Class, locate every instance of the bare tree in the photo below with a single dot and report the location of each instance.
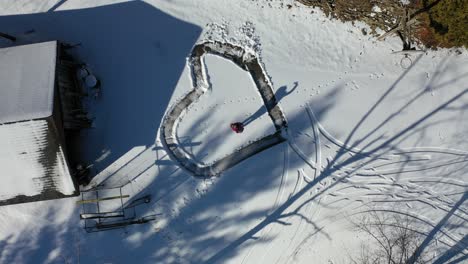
(395, 239)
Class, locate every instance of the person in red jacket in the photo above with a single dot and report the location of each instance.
(237, 127)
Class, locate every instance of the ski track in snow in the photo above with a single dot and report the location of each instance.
(278, 199)
(301, 177)
(420, 193)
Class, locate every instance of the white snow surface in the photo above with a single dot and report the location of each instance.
(292, 203)
(28, 75)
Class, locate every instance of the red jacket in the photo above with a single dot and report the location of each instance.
(237, 127)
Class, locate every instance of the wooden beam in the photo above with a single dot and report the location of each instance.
(102, 199)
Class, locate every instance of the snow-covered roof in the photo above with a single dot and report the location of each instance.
(27, 74)
(32, 157)
(33, 163)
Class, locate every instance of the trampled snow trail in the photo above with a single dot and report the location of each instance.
(245, 60)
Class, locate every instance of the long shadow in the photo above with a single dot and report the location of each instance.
(429, 237)
(137, 52)
(371, 110)
(57, 5)
(375, 153)
(454, 251)
(26, 247)
(4, 245)
(395, 113)
(430, 86)
(280, 94)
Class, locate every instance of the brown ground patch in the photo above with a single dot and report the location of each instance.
(437, 23)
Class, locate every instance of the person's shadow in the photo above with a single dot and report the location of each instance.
(280, 94)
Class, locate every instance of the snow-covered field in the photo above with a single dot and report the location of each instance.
(364, 135)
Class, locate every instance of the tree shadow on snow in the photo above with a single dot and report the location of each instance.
(372, 147)
(58, 240)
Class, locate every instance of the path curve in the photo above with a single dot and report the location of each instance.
(245, 60)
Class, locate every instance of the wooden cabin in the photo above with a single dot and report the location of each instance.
(40, 100)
